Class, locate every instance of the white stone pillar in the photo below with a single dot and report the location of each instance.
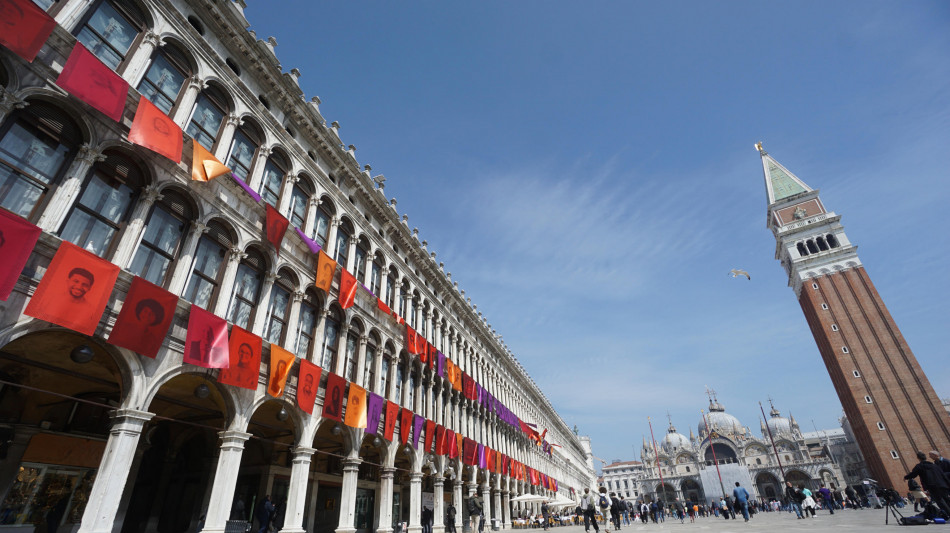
(263, 305)
(193, 86)
(113, 472)
(496, 503)
(225, 479)
(286, 194)
(361, 360)
(293, 319)
(457, 501)
(65, 195)
(141, 56)
(347, 524)
(256, 174)
(186, 260)
(438, 504)
(311, 222)
(486, 497)
(227, 282)
(415, 502)
(231, 123)
(386, 500)
(297, 492)
(330, 248)
(351, 255)
(71, 13)
(506, 505)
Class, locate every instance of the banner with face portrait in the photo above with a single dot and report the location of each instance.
(374, 410)
(152, 129)
(389, 424)
(308, 381)
(333, 399)
(74, 290)
(280, 362)
(356, 407)
(244, 355)
(146, 315)
(17, 239)
(206, 344)
(326, 267)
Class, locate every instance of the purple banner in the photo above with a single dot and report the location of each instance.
(312, 244)
(374, 409)
(246, 188)
(482, 462)
(417, 422)
(440, 364)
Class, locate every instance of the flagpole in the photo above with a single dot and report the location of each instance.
(657, 455)
(774, 449)
(710, 434)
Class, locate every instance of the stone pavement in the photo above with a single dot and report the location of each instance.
(869, 520)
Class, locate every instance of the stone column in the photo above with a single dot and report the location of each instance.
(263, 304)
(415, 502)
(506, 506)
(186, 260)
(231, 123)
(193, 86)
(496, 503)
(351, 254)
(361, 361)
(438, 504)
(9, 102)
(132, 234)
(457, 500)
(290, 334)
(141, 56)
(286, 190)
(386, 500)
(472, 488)
(225, 479)
(65, 195)
(256, 174)
(227, 282)
(351, 467)
(10, 467)
(113, 472)
(330, 248)
(71, 12)
(311, 223)
(486, 497)
(297, 493)
(339, 366)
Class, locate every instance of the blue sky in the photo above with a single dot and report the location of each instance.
(586, 171)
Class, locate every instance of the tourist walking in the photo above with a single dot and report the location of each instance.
(794, 497)
(265, 510)
(587, 504)
(603, 502)
(826, 498)
(742, 499)
(808, 503)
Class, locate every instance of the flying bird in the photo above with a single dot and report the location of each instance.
(735, 272)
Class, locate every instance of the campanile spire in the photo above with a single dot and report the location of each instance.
(893, 409)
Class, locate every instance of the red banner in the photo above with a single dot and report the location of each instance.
(333, 398)
(389, 425)
(89, 79)
(405, 425)
(440, 448)
(308, 381)
(154, 130)
(276, 226)
(244, 355)
(280, 362)
(17, 239)
(206, 344)
(24, 27)
(430, 435)
(348, 286)
(146, 315)
(469, 451)
(74, 290)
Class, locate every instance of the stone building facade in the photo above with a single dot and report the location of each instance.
(890, 404)
(126, 443)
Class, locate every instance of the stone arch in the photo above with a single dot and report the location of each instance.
(768, 485)
(88, 134)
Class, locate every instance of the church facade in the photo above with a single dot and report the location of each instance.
(97, 438)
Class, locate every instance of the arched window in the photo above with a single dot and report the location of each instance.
(162, 239)
(279, 309)
(165, 77)
(331, 340)
(404, 300)
(343, 235)
(391, 289)
(241, 155)
(384, 375)
(822, 245)
(361, 255)
(306, 324)
(369, 364)
(423, 323)
(104, 204)
(411, 391)
(832, 240)
(247, 288)
(801, 249)
(397, 385)
(413, 317)
(110, 29)
(321, 229)
(207, 116)
(36, 144)
(352, 344)
(300, 198)
(274, 170)
(812, 247)
(209, 262)
(376, 276)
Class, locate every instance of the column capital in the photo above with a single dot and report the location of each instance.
(153, 39)
(233, 119)
(197, 83)
(129, 421)
(298, 295)
(236, 255)
(315, 202)
(199, 228)
(270, 277)
(151, 195)
(302, 453)
(352, 464)
(10, 101)
(415, 477)
(88, 154)
(263, 152)
(291, 177)
(387, 472)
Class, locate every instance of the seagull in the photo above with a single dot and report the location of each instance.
(735, 272)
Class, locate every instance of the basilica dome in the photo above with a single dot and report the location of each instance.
(674, 442)
(778, 424)
(720, 421)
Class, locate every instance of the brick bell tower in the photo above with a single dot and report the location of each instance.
(891, 405)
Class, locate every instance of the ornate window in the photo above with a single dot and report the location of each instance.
(247, 288)
(104, 204)
(165, 77)
(331, 340)
(243, 146)
(110, 30)
(343, 235)
(299, 199)
(361, 255)
(161, 242)
(207, 116)
(35, 145)
(279, 309)
(321, 229)
(210, 258)
(274, 170)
